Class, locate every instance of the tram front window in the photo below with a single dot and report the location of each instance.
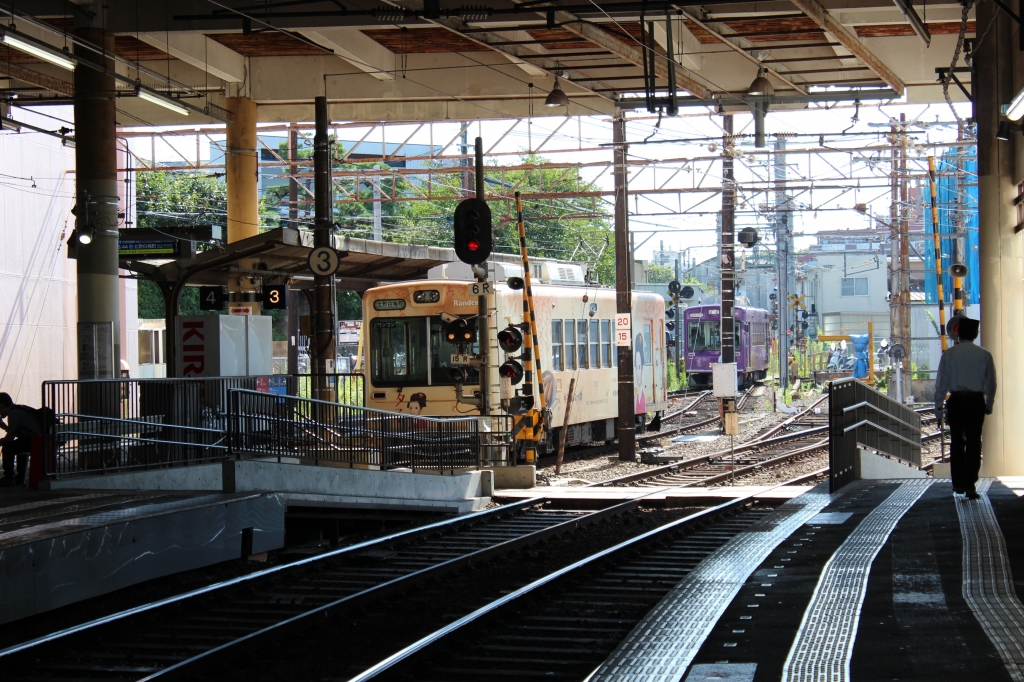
(401, 354)
(704, 336)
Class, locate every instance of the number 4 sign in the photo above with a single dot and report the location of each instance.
(623, 327)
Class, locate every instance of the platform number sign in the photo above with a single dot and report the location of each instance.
(623, 327)
(324, 261)
(212, 298)
(275, 296)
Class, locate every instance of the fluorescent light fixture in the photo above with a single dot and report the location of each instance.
(48, 54)
(1015, 111)
(165, 102)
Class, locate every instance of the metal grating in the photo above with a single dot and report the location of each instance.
(823, 644)
(661, 647)
(988, 581)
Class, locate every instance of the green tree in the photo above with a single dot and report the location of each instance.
(660, 274)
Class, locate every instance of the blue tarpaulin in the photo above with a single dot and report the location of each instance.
(946, 188)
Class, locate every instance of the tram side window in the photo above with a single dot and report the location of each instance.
(397, 348)
(570, 344)
(556, 345)
(647, 344)
(581, 343)
(606, 343)
(595, 345)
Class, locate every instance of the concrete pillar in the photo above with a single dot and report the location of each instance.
(624, 273)
(242, 174)
(97, 208)
(997, 69)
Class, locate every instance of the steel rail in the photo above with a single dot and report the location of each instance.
(624, 548)
(676, 467)
(409, 534)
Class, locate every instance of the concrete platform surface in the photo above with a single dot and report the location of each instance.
(884, 580)
(59, 548)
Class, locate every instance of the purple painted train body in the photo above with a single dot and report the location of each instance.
(702, 343)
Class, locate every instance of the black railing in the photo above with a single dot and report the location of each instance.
(122, 424)
(108, 424)
(861, 417)
(319, 431)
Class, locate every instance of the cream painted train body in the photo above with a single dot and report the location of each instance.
(408, 358)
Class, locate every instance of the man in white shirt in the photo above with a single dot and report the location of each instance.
(968, 374)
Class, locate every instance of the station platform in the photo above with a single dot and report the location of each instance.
(883, 580)
(59, 547)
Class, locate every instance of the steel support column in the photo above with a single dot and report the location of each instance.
(783, 218)
(997, 78)
(242, 174)
(325, 325)
(626, 424)
(97, 208)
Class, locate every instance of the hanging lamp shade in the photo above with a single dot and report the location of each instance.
(557, 97)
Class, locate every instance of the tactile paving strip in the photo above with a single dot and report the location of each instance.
(661, 647)
(823, 644)
(988, 581)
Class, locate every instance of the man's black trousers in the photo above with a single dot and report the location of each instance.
(16, 449)
(966, 415)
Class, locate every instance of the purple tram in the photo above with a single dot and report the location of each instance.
(703, 343)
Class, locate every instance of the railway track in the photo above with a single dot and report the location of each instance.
(563, 625)
(184, 635)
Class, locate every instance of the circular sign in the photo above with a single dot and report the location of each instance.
(323, 261)
(896, 351)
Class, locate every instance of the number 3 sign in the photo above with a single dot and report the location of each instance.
(324, 261)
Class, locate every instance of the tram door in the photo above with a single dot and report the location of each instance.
(648, 372)
(659, 377)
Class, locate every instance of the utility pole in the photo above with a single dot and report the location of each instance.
(728, 241)
(293, 184)
(378, 228)
(904, 269)
(483, 324)
(325, 332)
(626, 426)
(679, 320)
(783, 215)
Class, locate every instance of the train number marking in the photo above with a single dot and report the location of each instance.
(481, 288)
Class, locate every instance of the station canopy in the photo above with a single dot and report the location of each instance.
(409, 60)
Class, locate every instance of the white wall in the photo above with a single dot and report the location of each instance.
(38, 310)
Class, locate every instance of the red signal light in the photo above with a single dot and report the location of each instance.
(473, 245)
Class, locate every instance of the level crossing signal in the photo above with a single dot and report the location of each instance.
(511, 370)
(510, 339)
(472, 222)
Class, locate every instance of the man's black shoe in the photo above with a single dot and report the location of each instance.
(973, 496)
(958, 491)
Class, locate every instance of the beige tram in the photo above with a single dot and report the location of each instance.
(408, 358)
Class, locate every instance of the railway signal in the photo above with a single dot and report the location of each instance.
(459, 332)
(472, 223)
(748, 237)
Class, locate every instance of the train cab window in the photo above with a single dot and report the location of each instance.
(556, 345)
(595, 345)
(606, 343)
(581, 343)
(570, 344)
(401, 354)
(398, 352)
(648, 358)
(704, 336)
